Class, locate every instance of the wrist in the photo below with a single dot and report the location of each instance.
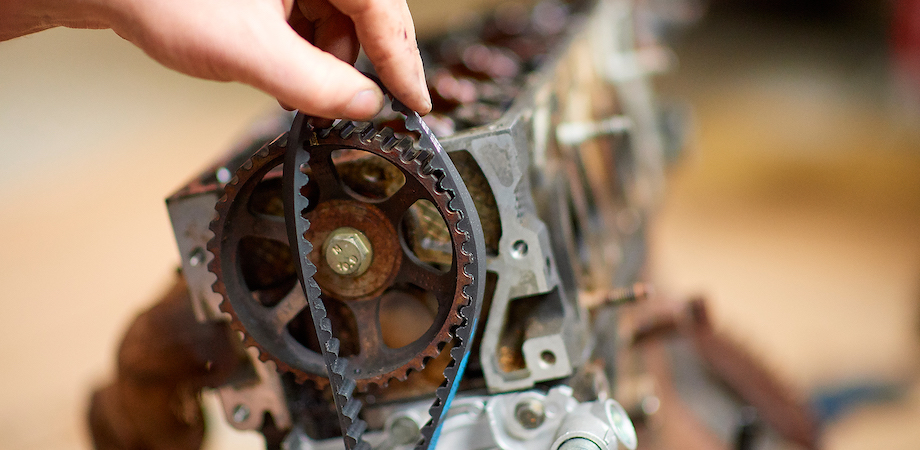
(21, 17)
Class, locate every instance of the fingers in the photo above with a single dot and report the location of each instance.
(385, 29)
(309, 79)
(329, 29)
(262, 50)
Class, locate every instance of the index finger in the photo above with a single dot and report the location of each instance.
(386, 31)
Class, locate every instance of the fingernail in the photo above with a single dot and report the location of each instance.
(364, 104)
(427, 102)
(427, 99)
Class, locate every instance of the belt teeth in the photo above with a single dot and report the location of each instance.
(356, 430)
(333, 346)
(340, 365)
(352, 408)
(347, 388)
(427, 157)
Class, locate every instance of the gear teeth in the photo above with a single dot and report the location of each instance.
(387, 138)
(325, 132)
(265, 155)
(345, 128)
(367, 133)
(406, 149)
(424, 158)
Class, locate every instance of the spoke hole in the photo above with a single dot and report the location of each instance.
(267, 269)
(366, 175)
(519, 249)
(406, 315)
(425, 235)
(547, 358)
(266, 196)
(344, 327)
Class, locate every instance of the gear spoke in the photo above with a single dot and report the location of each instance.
(323, 173)
(369, 334)
(425, 277)
(396, 205)
(260, 225)
(288, 308)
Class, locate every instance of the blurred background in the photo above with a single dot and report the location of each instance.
(795, 211)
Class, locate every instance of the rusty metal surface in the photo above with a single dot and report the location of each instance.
(354, 302)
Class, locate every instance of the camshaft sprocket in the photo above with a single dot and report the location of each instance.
(274, 318)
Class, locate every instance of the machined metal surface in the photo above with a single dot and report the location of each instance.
(493, 422)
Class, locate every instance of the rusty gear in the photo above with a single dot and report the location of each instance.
(264, 316)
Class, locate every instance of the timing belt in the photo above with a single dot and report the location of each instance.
(436, 162)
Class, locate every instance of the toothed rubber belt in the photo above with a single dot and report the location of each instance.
(433, 160)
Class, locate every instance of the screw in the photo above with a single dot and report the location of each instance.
(348, 252)
(627, 295)
(519, 249)
(530, 413)
(240, 413)
(197, 257)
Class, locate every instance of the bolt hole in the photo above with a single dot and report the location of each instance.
(425, 236)
(530, 413)
(196, 258)
(548, 357)
(519, 249)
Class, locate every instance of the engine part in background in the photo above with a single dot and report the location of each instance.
(165, 359)
(571, 216)
(731, 393)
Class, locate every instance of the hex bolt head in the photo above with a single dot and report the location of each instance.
(530, 413)
(348, 252)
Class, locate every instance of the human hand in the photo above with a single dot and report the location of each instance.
(267, 44)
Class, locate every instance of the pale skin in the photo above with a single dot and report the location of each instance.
(299, 51)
